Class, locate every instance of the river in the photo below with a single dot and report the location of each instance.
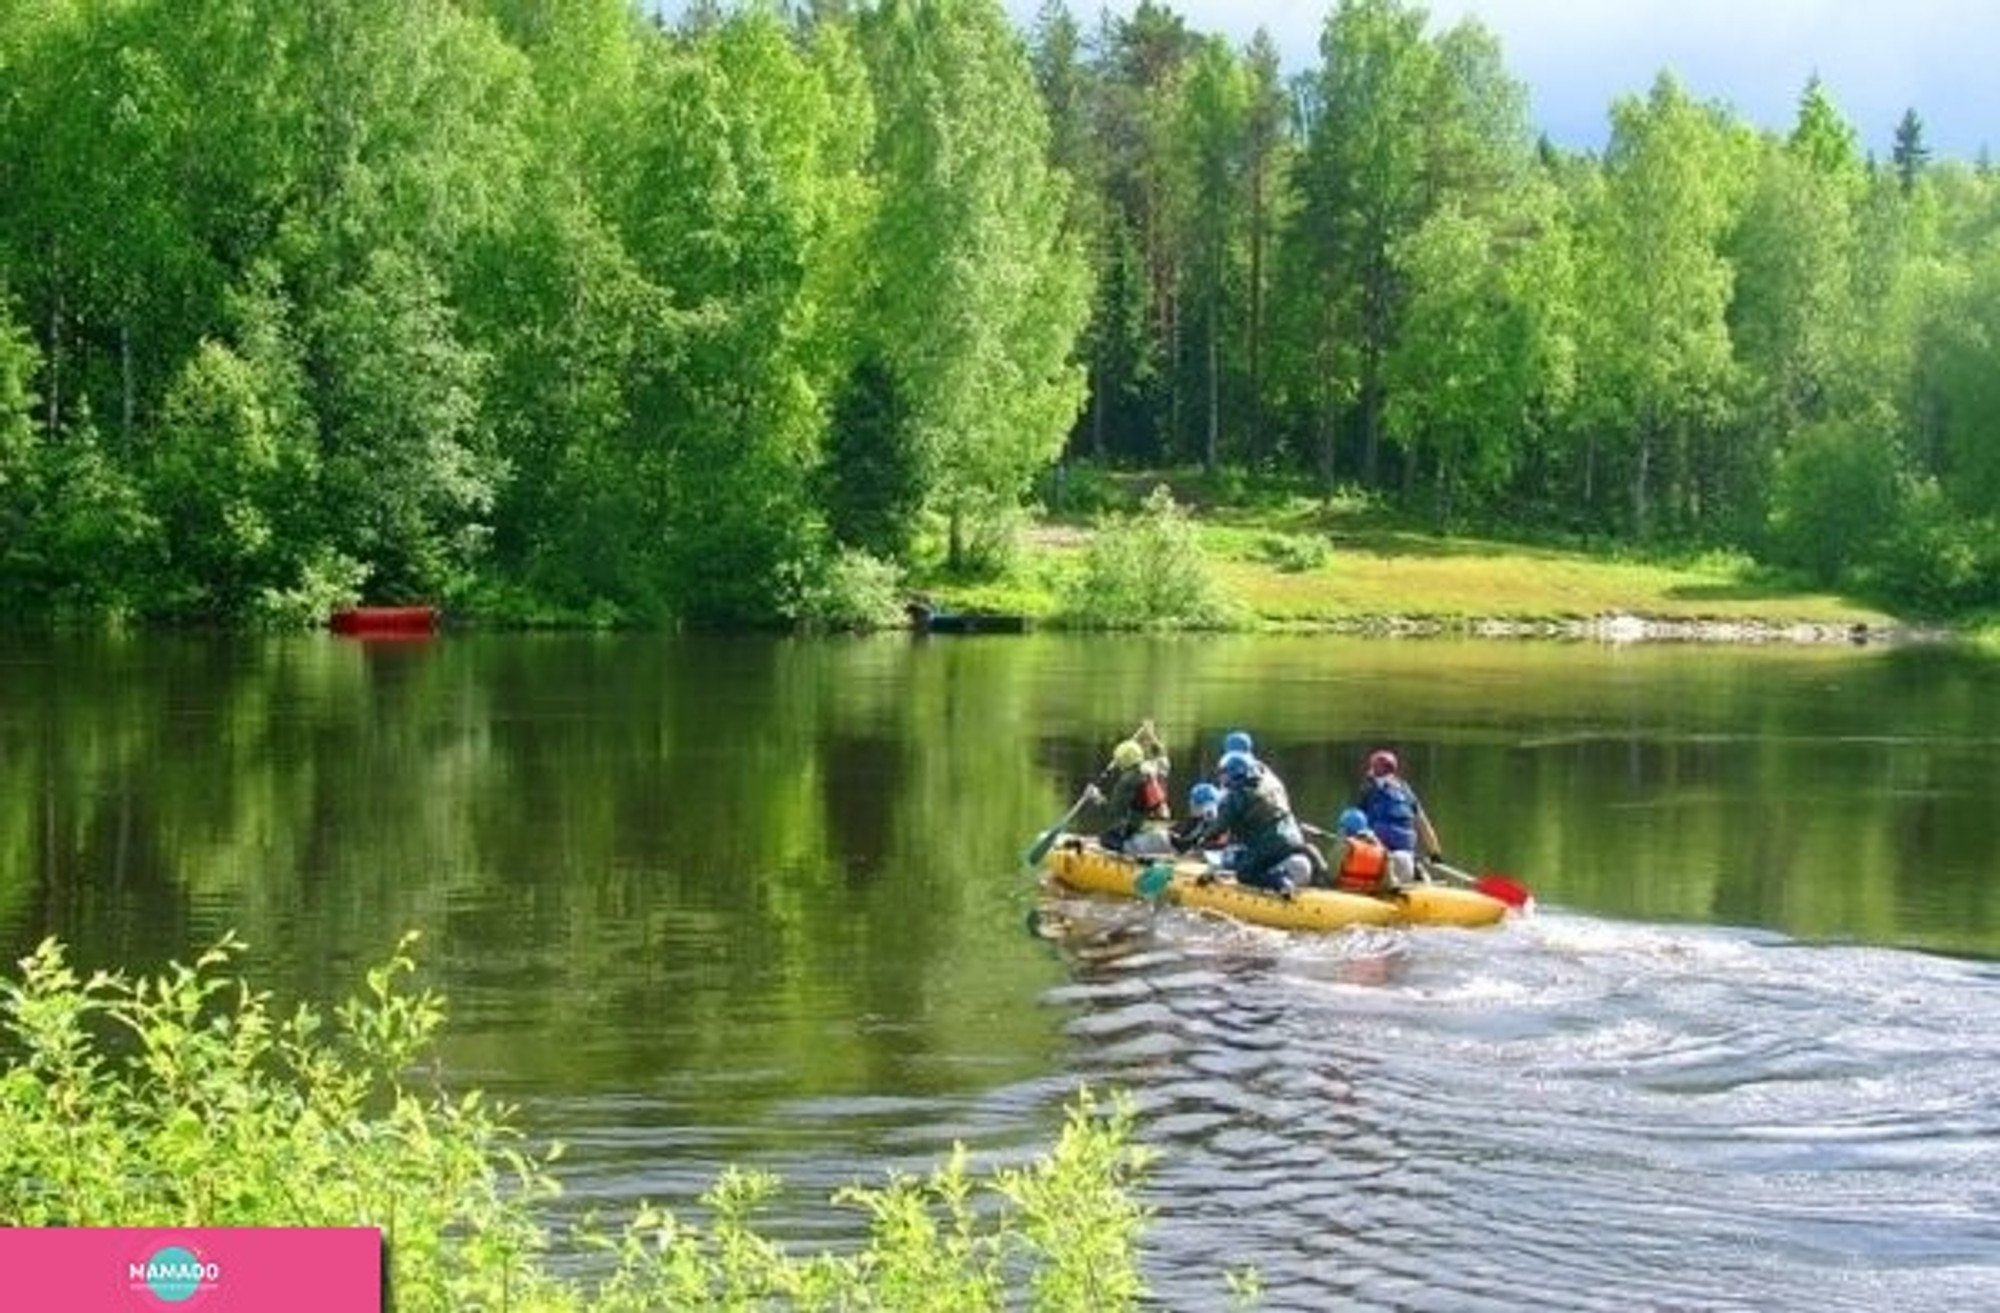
(697, 901)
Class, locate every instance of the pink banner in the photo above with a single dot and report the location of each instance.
(214, 1269)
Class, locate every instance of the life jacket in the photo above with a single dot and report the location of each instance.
(1391, 807)
(1363, 864)
(1139, 797)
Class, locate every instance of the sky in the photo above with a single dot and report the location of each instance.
(1875, 60)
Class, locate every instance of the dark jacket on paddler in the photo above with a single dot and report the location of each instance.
(1135, 798)
(1256, 814)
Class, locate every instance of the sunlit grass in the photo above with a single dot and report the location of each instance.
(1413, 577)
(1301, 561)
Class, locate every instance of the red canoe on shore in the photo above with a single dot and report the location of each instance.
(397, 621)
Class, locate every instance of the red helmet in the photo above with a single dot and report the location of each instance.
(1382, 762)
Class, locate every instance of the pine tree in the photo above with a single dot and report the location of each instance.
(1910, 154)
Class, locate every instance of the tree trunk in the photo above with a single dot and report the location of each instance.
(1176, 378)
(52, 404)
(1642, 461)
(1256, 308)
(1369, 400)
(1441, 490)
(1097, 418)
(1329, 438)
(127, 404)
(1212, 446)
(1589, 491)
(1324, 412)
(1374, 341)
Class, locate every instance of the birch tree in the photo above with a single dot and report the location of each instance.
(1657, 356)
(980, 310)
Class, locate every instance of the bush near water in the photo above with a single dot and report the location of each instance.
(187, 1099)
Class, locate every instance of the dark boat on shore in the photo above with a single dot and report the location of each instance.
(928, 619)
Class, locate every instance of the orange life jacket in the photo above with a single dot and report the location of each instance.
(1364, 862)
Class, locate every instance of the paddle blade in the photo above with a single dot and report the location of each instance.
(1510, 892)
(1502, 888)
(1155, 880)
(1040, 847)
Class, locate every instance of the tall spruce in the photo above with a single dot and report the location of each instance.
(1909, 154)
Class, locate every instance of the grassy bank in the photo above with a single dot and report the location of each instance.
(1297, 561)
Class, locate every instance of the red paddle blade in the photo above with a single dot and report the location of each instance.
(1510, 892)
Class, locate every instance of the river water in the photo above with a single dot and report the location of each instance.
(1574, 1113)
(708, 901)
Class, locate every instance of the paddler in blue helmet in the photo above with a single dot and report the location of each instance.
(1197, 829)
(1273, 854)
(1239, 740)
(1359, 860)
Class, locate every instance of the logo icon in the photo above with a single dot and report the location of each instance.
(174, 1274)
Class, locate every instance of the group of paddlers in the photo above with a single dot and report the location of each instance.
(1242, 820)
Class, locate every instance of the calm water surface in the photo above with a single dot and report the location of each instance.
(698, 902)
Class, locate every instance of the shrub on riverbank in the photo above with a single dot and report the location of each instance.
(185, 1100)
(1143, 571)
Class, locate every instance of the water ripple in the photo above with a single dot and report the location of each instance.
(1564, 1115)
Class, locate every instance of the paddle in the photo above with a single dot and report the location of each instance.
(1511, 892)
(1040, 847)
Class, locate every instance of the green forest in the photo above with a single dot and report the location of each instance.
(557, 311)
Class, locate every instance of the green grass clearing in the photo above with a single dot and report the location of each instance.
(1298, 561)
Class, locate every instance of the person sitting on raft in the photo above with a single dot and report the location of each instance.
(1273, 854)
(1134, 794)
(1196, 831)
(1359, 859)
(1239, 740)
(1396, 814)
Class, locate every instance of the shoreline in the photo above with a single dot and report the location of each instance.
(1614, 628)
(1621, 627)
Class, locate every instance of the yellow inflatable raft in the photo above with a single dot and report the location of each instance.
(1079, 864)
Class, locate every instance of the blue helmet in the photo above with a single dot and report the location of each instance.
(1239, 767)
(1203, 796)
(1238, 741)
(1352, 821)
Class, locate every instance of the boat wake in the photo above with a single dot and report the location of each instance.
(1641, 1114)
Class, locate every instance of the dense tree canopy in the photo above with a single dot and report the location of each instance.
(1658, 343)
(566, 311)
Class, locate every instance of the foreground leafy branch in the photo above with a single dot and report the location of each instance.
(184, 1100)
